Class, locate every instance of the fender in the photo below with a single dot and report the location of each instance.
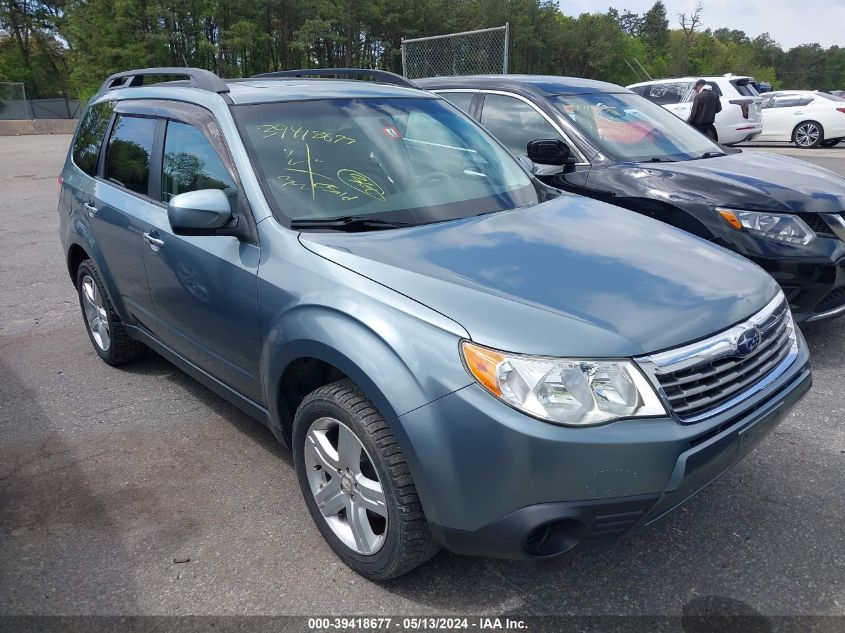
(397, 374)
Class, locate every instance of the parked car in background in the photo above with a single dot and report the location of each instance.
(762, 86)
(456, 354)
(785, 214)
(740, 119)
(807, 118)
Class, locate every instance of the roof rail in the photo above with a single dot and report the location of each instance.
(198, 78)
(381, 76)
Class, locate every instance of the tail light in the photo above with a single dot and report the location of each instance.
(842, 110)
(742, 103)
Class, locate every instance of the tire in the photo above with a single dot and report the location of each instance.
(808, 134)
(108, 336)
(830, 142)
(402, 540)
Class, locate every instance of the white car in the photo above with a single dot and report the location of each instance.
(741, 118)
(805, 117)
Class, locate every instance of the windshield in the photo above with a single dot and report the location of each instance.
(628, 127)
(407, 161)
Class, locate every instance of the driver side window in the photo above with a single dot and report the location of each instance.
(515, 123)
(191, 163)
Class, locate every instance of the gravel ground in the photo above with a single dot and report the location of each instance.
(107, 475)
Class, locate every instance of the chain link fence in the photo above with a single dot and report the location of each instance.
(15, 106)
(13, 103)
(470, 53)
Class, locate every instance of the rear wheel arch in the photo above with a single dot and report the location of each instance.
(75, 256)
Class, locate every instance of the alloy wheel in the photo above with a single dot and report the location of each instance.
(346, 486)
(95, 313)
(807, 134)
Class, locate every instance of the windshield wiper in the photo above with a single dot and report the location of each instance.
(346, 223)
(660, 159)
(712, 154)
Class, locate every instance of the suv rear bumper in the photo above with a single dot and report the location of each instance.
(513, 487)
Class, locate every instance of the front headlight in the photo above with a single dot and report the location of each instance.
(573, 392)
(776, 226)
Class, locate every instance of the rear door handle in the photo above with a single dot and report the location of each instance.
(153, 240)
(90, 208)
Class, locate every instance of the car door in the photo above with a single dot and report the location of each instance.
(204, 287)
(686, 95)
(117, 210)
(515, 121)
(781, 113)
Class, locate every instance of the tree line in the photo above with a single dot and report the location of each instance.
(67, 47)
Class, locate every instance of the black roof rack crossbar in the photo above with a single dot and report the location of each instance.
(198, 78)
(381, 76)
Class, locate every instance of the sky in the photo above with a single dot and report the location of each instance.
(790, 22)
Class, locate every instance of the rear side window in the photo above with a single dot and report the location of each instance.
(191, 163)
(89, 138)
(130, 147)
(461, 100)
(668, 93)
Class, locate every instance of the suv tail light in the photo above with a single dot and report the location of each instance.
(742, 103)
(842, 110)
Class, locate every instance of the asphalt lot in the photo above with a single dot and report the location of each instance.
(107, 475)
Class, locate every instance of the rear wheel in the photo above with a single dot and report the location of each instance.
(357, 485)
(108, 336)
(808, 134)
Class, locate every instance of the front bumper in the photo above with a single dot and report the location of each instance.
(494, 482)
(815, 287)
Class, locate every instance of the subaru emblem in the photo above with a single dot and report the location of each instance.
(748, 341)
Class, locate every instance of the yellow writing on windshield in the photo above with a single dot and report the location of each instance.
(313, 181)
(360, 182)
(286, 131)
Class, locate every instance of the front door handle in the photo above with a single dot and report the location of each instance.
(90, 208)
(153, 240)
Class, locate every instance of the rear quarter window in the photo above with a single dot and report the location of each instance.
(668, 93)
(89, 137)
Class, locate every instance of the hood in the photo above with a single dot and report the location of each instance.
(569, 277)
(752, 180)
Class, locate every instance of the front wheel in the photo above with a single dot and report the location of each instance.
(357, 485)
(808, 134)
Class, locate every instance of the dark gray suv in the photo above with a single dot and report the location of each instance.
(456, 354)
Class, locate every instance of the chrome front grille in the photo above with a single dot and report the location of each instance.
(709, 376)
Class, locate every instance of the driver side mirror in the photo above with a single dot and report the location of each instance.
(200, 212)
(550, 151)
